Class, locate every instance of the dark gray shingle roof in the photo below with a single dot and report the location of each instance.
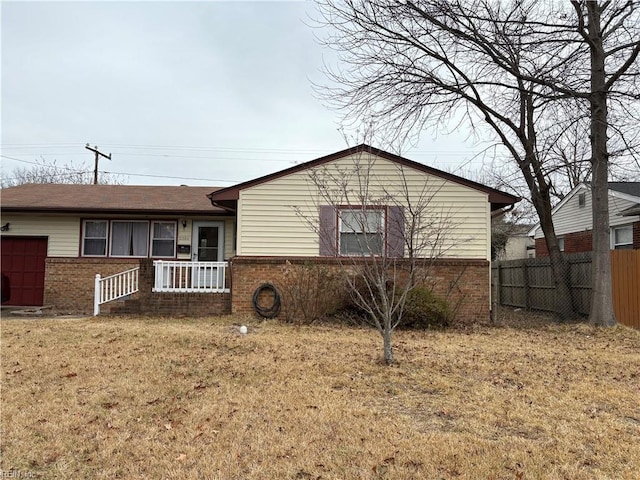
(630, 188)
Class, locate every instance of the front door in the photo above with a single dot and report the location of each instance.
(207, 246)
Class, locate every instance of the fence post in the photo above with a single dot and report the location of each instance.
(499, 283)
(96, 295)
(525, 275)
(498, 286)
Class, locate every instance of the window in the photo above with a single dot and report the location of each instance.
(163, 239)
(129, 238)
(95, 238)
(582, 199)
(361, 232)
(561, 244)
(622, 238)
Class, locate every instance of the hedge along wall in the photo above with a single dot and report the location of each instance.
(467, 282)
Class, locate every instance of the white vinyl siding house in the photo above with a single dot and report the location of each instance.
(573, 222)
(274, 217)
(569, 216)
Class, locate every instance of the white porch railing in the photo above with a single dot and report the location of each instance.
(113, 287)
(190, 277)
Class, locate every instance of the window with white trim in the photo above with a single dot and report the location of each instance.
(94, 242)
(622, 238)
(129, 238)
(361, 231)
(163, 239)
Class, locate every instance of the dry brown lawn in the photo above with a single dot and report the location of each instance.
(182, 398)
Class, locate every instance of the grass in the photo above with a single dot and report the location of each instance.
(183, 398)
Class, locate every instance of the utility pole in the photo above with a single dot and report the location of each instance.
(98, 154)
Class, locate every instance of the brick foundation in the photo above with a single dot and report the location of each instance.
(69, 282)
(171, 304)
(466, 281)
(69, 288)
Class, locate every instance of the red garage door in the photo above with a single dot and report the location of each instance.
(23, 262)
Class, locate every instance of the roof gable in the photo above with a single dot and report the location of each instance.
(620, 189)
(497, 198)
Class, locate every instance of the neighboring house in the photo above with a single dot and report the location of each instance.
(518, 245)
(572, 219)
(253, 230)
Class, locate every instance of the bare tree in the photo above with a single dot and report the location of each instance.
(44, 171)
(519, 71)
(391, 229)
(596, 22)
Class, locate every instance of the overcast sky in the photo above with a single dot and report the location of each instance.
(208, 93)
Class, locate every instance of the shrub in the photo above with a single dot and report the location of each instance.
(424, 309)
(311, 292)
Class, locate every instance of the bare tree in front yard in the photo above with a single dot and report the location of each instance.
(520, 72)
(385, 230)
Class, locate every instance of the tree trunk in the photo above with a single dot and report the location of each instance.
(602, 313)
(564, 303)
(388, 352)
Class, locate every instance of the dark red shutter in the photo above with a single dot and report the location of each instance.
(395, 232)
(327, 231)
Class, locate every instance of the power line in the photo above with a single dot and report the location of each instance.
(75, 172)
(19, 160)
(166, 155)
(288, 151)
(171, 176)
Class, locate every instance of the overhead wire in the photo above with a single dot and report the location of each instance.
(76, 172)
(202, 149)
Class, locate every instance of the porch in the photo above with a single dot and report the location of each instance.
(165, 287)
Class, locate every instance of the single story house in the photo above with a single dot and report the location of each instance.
(573, 221)
(205, 250)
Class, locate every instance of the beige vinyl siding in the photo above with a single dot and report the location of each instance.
(571, 217)
(229, 247)
(268, 223)
(185, 235)
(63, 233)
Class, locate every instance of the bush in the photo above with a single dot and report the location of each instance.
(423, 309)
(311, 292)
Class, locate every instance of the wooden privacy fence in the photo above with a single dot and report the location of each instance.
(625, 277)
(528, 284)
